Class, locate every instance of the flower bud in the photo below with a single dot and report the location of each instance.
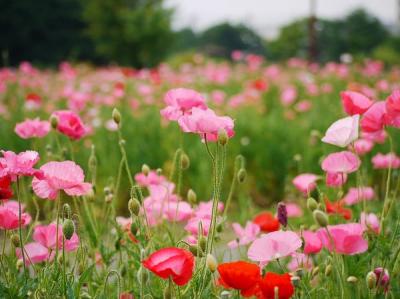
(194, 249)
(328, 270)
(159, 171)
(315, 271)
(192, 197)
(371, 279)
(68, 228)
(211, 263)
(312, 204)
(19, 264)
(54, 121)
(167, 293)
(134, 206)
(352, 279)
(225, 294)
(203, 243)
(185, 161)
(15, 240)
(282, 214)
(145, 169)
(67, 211)
(116, 116)
(320, 218)
(382, 276)
(107, 190)
(222, 137)
(109, 198)
(241, 175)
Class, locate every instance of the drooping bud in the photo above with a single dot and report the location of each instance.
(134, 206)
(241, 175)
(211, 263)
(371, 279)
(116, 116)
(320, 218)
(312, 204)
(185, 161)
(194, 249)
(15, 240)
(382, 277)
(145, 169)
(222, 137)
(67, 211)
(328, 270)
(192, 197)
(54, 121)
(352, 279)
(282, 214)
(315, 271)
(68, 228)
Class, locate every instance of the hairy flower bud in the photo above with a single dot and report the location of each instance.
(312, 204)
(320, 218)
(68, 228)
(203, 243)
(116, 116)
(241, 175)
(371, 279)
(352, 279)
(328, 270)
(54, 121)
(185, 161)
(222, 137)
(134, 206)
(211, 263)
(145, 169)
(192, 197)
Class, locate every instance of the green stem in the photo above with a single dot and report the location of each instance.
(21, 240)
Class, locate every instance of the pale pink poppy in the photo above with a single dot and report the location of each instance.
(300, 261)
(335, 179)
(245, 235)
(356, 195)
(32, 128)
(370, 221)
(347, 238)
(193, 226)
(393, 109)
(354, 102)
(363, 146)
(15, 165)
(152, 178)
(58, 176)
(382, 161)
(376, 137)
(181, 101)
(341, 162)
(46, 235)
(36, 252)
(312, 243)
(343, 131)
(293, 210)
(70, 124)
(9, 215)
(305, 182)
(375, 118)
(274, 245)
(204, 209)
(288, 95)
(206, 123)
(177, 211)
(303, 106)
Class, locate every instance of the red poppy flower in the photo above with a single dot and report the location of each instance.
(172, 262)
(5, 188)
(337, 208)
(241, 276)
(259, 84)
(281, 281)
(126, 295)
(267, 222)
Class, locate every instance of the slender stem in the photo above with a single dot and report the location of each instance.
(57, 224)
(21, 240)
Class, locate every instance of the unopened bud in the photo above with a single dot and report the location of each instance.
(328, 270)
(352, 279)
(167, 293)
(225, 295)
(68, 228)
(109, 198)
(159, 171)
(211, 263)
(222, 136)
(320, 218)
(116, 116)
(315, 271)
(67, 211)
(145, 169)
(312, 204)
(185, 161)
(241, 176)
(54, 121)
(191, 196)
(371, 280)
(203, 243)
(15, 240)
(134, 206)
(194, 249)
(134, 228)
(282, 214)
(19, 264)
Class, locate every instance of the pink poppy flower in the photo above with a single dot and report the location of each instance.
(363, 146)
(356, 195)
(312, 242)
(381, 161)
(288, 95)
(206, 123)
(180, 102)
(375, 118)
(293, 210)
(152, 178)
(193, 226)
(300, 260)
(9, 213)
(335, 179)
(370, 222)
(178, 211)
(347, 238)
(393, 108)
(70, 124)
(341, 162)
(376, 137)
(31, 128)
(46, 235)
(354, 102)
(305, 182)
(14, 165)
(343, 131)
(273, 246)
(36, 252)
(57, 176)
(244, 235)
(204, 209)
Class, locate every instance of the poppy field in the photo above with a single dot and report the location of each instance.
(200, 178)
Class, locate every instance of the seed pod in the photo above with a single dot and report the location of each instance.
(320, 218)
(312, 204)
(192, 197)
(241, 175)
(116, 116)
(352, 279)
(134, 206)
(371, 279)
(54, 121)
(145, 169)
(15, 240)
(185, 161)
(328, 270)
(211, 263)
(68, 228)
(222, 137)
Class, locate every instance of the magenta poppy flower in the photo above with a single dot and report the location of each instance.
(370, 221)
(288, 95)
(274, 245)
(14, 165)
(206, 123)
(356, 195)
(363, 146)
(305, 182)
(180, 101)
(70, 124)
(354, 102)
(393, 108)
(312, 242)
(382, 161)
(347, 238)
(376, 137)
(334, 179)
(244, 235)
(32, 128)
(341, 162)
(57, 176)
(36, 252)
(9, 213)
(343, 131)
(374, 119)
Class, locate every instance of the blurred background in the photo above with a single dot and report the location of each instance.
(142, 33)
